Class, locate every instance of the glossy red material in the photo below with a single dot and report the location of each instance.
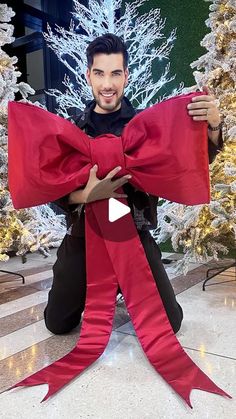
(166, 153)
(162, 147)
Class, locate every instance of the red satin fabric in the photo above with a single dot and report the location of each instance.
(166, 152)
(162, 147)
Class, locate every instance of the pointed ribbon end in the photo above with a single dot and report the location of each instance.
(187, 400)
(27, 382)
(206, 384)
(22, 383)
(200, 382)
(36, 381)
(52, 389)
(186, 395)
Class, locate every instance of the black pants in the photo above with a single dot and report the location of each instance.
(67, 297)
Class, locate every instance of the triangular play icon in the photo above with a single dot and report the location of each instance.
(117, 210)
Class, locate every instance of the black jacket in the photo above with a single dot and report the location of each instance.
(143, 206)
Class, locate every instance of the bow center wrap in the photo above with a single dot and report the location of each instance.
(107, 152)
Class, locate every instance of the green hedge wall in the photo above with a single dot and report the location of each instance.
(188, 16)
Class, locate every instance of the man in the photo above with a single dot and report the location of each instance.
(109, 112)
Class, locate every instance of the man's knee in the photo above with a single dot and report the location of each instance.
(59, 326)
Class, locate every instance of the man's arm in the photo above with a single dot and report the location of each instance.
(215, 143)
(215, 137)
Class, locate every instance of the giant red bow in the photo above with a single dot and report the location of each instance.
(166, 153)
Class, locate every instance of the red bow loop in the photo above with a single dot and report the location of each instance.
(163, 149)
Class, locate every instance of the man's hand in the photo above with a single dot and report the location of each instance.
(97, 189)
(204, 108)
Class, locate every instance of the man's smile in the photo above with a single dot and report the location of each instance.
(107, 95)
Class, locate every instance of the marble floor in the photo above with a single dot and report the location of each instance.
(122, 383)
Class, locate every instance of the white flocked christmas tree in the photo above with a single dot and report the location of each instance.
(209, 231)
(27, 230)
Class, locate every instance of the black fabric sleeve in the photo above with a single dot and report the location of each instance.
(213, 149)
(63, 203)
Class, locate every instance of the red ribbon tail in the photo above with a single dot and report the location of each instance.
(150, 320)
(200, 382)
(97, 321)
(41, 378)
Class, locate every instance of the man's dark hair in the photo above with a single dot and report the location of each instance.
(107, 44)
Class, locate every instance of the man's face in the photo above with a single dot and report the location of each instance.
(108, 79)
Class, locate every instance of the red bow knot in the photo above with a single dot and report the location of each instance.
(107, 152)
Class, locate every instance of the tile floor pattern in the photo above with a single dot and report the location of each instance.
(122, 383)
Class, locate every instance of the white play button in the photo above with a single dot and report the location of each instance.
(117, 210)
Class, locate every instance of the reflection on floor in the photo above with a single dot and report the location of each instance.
(122, 384)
